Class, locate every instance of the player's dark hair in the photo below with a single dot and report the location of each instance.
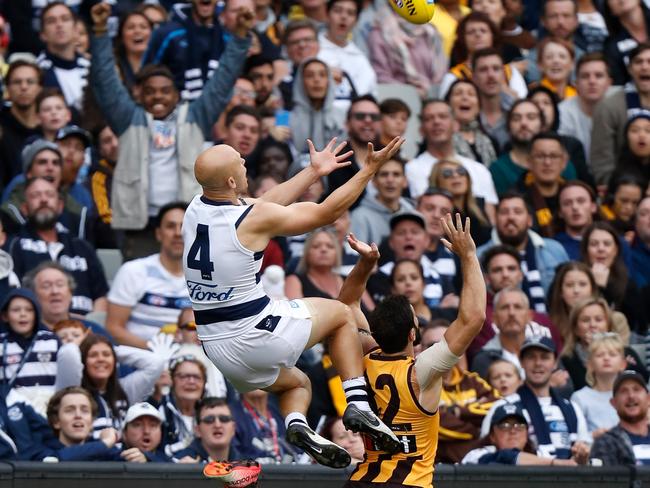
(151, 70)
(548, 136)
(358, 3)
(391, 322)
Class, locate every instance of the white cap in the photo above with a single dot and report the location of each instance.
(142, 409)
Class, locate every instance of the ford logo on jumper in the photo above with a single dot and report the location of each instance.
(201, 292)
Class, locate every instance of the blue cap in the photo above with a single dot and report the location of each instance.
(506, 410)
(538, 342)
(76, 131)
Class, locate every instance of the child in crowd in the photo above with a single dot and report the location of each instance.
(29, 354)
(606, 358)
(71, 331)
(504, 377)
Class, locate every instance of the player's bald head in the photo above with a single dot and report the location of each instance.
(215, 166)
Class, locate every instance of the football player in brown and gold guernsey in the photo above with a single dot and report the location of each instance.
(405, 391)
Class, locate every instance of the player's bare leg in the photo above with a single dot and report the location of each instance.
(294, 390)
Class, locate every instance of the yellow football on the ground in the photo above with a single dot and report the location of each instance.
(415, 11)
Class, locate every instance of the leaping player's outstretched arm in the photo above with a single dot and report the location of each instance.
(268, 219)
(355, 284)
(433, 363)
(322, 163)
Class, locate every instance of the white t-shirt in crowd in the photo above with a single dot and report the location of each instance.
(155, 295)
(419, 169)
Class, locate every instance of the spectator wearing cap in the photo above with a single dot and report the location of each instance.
(629, 442)
(70, 413)
(43, 159)
(508, 442)
(371, 219)
(73, 142)
(350, 67)
(63, 67)
(160, 139)
(142, 435)
(40, 239)
(438, 129)
(613, 113)
(541, 184)
(556, 426)
(18, 119)
(149, 292)
(409, 239)
(214, 432)
(540, 255)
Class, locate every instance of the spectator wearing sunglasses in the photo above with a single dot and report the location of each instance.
(452, 176)
(213, 434)
(508, 442)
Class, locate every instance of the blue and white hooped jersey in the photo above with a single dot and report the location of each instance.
(222, 276)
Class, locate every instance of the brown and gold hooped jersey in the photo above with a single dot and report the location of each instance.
(394, 399)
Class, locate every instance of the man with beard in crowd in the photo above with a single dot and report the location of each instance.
(41, 239)
(539, 256)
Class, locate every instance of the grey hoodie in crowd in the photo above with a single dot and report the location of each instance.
(307, 122)
(370, 221)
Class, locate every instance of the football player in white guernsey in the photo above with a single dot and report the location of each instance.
(255, 341)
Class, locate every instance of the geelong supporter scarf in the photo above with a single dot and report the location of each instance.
(531, 405)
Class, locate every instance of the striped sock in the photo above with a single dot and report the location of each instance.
(294, 417)
(355, 392)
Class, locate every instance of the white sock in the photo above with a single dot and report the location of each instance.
(355, 392)
(294, 417)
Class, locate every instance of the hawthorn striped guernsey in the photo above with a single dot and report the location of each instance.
(393, 397)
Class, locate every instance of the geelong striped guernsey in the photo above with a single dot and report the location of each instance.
(394, 399)
(222, 276)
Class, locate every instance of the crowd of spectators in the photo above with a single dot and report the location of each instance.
(533, 120)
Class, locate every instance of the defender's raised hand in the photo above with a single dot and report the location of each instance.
(375, 160)
(368, 252)
(329, 159)
(459, 240)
